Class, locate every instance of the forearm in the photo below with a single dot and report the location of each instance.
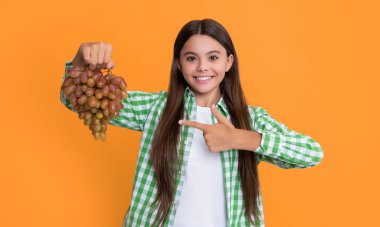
(247, 140)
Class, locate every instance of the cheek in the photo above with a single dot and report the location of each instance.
(222, 67)
(188, 68)
(188, 74)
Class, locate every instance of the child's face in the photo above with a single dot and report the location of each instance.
(197, 61)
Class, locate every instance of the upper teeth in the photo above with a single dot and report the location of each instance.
(204, 78)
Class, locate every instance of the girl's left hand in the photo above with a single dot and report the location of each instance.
(218, 137)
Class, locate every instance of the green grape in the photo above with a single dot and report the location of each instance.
(99, 114)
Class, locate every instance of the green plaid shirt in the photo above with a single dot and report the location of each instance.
(280, 146)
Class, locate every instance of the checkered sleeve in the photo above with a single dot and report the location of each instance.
(282, 146)
(136, 106)
(136, 109)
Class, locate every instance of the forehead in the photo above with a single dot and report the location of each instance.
(201, 45)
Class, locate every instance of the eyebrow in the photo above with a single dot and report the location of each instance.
(213, 51)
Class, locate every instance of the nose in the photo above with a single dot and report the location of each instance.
(202, 65)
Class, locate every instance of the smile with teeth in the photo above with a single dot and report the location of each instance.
(204, 78)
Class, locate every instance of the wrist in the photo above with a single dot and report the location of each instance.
(77, 61)
(247, 140)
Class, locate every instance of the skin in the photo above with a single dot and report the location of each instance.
(202, 63)
(203, 56)
(224, 136)
(95, 54)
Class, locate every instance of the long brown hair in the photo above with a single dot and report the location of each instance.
(164, 151)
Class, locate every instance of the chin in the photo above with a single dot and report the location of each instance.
(202, 90)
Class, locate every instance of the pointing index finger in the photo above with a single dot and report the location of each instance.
(193, 124)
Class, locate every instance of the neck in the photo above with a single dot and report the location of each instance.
(206, 100)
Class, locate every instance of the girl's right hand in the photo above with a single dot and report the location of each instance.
(96, 55)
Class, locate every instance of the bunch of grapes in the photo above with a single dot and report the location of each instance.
(96, 95)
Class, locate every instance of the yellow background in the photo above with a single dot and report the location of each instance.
(314, 65)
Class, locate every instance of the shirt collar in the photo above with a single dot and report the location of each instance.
(189, 95)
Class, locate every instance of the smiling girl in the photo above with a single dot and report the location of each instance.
(201, 142)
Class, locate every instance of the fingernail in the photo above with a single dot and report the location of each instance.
(213, 105)
(110, 65)
(180, 122)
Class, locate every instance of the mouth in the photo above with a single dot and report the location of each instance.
(203, 79)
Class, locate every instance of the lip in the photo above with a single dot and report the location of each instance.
(202, 76)
(203, 81)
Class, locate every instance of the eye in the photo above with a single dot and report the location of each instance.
(216, 57)
(213, 57)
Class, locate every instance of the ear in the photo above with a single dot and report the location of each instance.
(230, 61)
(178, 64)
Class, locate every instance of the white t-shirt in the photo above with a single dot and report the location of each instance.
(202, 201)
